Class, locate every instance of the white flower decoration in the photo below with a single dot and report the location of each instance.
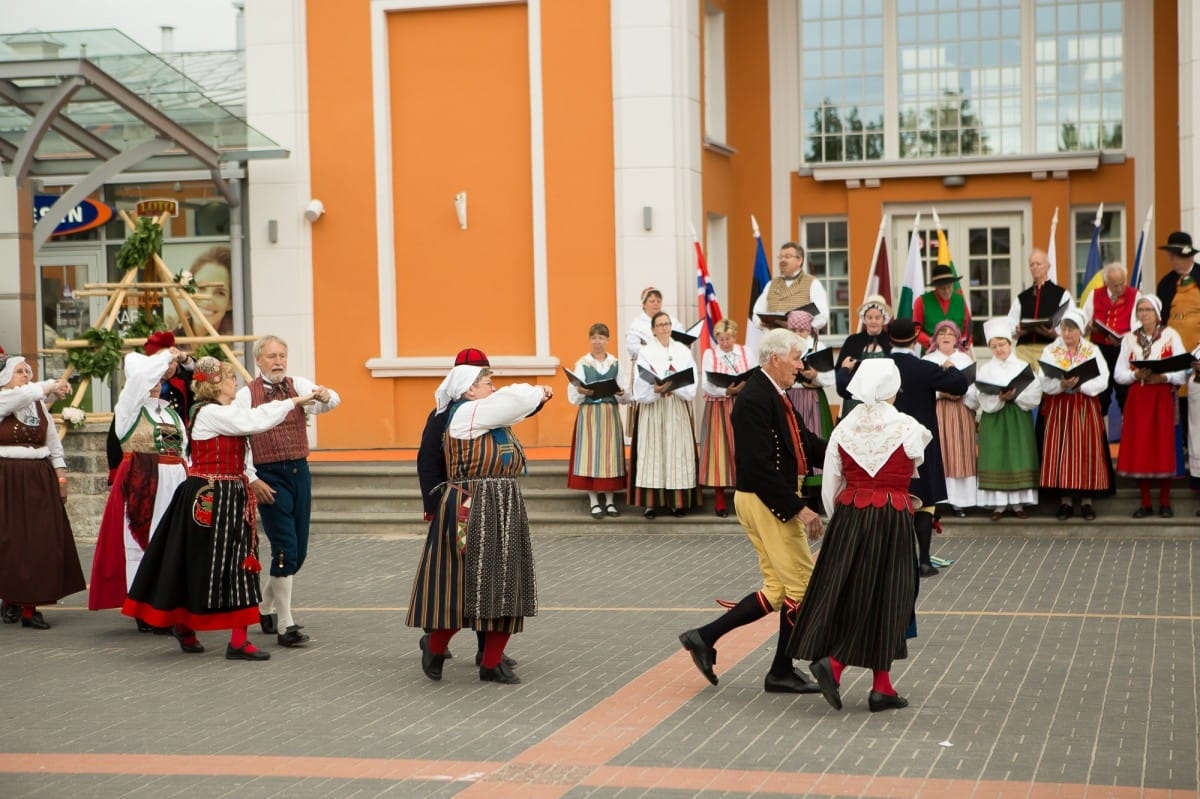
(75, 417)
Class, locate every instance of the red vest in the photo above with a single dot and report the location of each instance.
(287, 441)
(1113, 314)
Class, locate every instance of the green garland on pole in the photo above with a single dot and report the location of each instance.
(142, 244)
(147, 322)
(102, 358)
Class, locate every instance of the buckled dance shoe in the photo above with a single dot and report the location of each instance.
(244, 652)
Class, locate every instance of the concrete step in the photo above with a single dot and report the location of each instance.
(408, 500)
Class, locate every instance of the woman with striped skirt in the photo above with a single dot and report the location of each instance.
(716, 429)
(956, 422)
(476, 569)
(597, 463)
(1075, 456)
(860, 605)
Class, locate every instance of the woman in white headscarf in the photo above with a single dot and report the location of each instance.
(1007, 464)
(1148, 425)
(1075, 455)
(153, 441)
(476, 569)
(860, 604)
(38, 561)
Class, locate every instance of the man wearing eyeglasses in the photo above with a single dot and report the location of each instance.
(793, 288)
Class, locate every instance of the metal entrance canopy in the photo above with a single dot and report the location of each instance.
(97, 104)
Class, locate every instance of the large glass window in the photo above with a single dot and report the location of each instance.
(827, 258)
(957, 79)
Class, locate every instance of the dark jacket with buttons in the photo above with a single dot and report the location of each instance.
(764, 456)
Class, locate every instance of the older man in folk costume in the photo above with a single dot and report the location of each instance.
(1179, 291)
(793, 288)
(279, 477)
(942, 302)
(476, 569)
(1110, 305)
(1040, 301)
(774, 452)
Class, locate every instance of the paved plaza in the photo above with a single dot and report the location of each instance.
(1046, 666)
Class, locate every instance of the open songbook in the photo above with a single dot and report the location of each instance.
(722, 380)
(780, 319)
(821, 360)
(688, 337)
(599, 388)
(673, 381)
(1097, 325)
(1020, 383)
(1049, 321)
(1085, 371)
(1162, 366)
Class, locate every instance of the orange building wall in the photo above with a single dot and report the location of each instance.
(461, 110)
(1167, 211)
(739, 185)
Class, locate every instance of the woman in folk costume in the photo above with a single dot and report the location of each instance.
(860, 605)
(638, 336)
(956, 422)
(476, 569)
(200, 570)
(38, 561)
(871, 341)
(598, 444)
(716, 429)
(1075, 455)
(808, 394)
(1007, 464)
(153, 439)
(1148, 427)
(665, 471)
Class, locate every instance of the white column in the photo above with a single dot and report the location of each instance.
(1189, 120)
(657, 137)
(277, 105)
(16, 246)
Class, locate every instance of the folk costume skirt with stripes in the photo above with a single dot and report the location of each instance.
(716, 443)
(956, 432)
(1008, 458)
(597, 448)
(1148, 432)
(666, 456)
(1075, 455)
(201, 567)
(860, 603)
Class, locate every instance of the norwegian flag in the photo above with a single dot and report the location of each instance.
(707, 305)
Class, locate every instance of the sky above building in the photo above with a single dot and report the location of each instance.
(198, 24)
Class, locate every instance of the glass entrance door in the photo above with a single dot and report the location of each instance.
(64, 315)
(985, 249)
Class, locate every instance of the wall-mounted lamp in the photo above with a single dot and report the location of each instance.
(954, 181)
(647, 217)
(314, 210)
(460, 209)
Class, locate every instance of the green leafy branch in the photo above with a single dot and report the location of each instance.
(102, 358)
(147, 322)
(142, 244)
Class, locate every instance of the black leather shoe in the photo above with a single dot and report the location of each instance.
(269, 623)
(10, 613)
(143, 627)
(597, 512)
(1088, 512)
(431, 664)
(1065, 512)
(722, 514)
(877, 702)
(501, 674)
(292, 637)
(703, 655)
(505, 659)
(241, 653)
(929, 570)
(1142, 513)
(823, 671)
(1166, 512)
(424, 644)
(37, 622)
(960, 513)
(611, 510)
(650, 513)
(794, 683)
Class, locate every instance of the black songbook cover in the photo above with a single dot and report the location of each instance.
(1100, 327)
(1021, 382)
(1049, 321)
(1085, 371)
(599, 389)
(969, 372)
(1162, 366)
(780, 319)
(688, 337)
(821, 360)
(674, 381)
(722, 380)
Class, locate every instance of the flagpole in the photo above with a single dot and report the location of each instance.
(875, 257)
(1052, 250)
(1136, 277)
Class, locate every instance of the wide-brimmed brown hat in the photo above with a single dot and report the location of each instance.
(902, 331)
(942, 274)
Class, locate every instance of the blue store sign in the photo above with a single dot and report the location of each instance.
(85, 216)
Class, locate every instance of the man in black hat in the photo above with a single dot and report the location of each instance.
(943, 301)
(920, 383)
(1179, 291)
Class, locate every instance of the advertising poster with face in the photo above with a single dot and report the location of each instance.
(208, 263)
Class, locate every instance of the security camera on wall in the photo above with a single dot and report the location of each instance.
(314, 210)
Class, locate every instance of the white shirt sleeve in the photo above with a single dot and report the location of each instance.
(1122, 373)
(214, 420)
(53, 442)
(760, 306)
(13, 399)
(832, 480)
(1096, 385)
(305, 386)
(503, 407)
(136, 391)
(816, 293)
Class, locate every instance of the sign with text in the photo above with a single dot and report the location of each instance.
(85, 216)
(155, 206)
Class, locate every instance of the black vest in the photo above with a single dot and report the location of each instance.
(1034, 307)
